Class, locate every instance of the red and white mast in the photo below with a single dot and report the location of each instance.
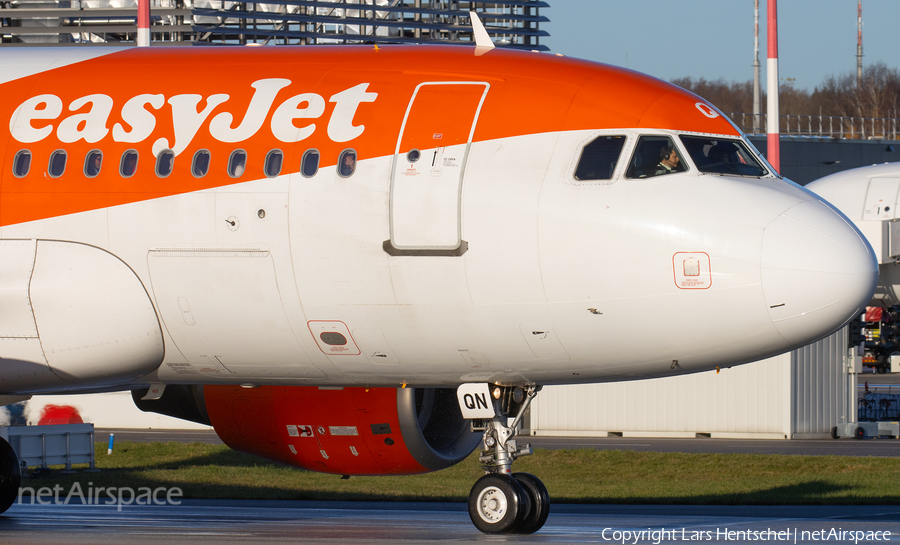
(773, 139)
(143, 23)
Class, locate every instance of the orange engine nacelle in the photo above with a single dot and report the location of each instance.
(347, 431)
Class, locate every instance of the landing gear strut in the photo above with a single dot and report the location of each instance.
(503, 501)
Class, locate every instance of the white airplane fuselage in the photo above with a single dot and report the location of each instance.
(868, 197)
(507, 269)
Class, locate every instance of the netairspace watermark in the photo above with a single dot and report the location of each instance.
(102, 495)
(789, 535)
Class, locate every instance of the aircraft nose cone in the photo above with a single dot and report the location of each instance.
(817, 271)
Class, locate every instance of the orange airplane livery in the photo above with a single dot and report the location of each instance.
(274, 99)
(369, 260)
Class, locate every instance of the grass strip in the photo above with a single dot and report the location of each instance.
(571, 476)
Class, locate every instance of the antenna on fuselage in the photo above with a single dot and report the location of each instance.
(481, 36)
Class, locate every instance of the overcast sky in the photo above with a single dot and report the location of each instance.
(714, 38)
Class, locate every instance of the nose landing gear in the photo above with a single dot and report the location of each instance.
(502, 501)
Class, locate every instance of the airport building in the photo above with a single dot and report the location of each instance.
(797, 395)
(292, 22)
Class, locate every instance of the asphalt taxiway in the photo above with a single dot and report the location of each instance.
(271, 522)
(362, 523)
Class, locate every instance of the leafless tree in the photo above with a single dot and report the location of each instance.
(877, 97)
(728, 97)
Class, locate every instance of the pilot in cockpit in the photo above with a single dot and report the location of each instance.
(722, 153)
(668, 161)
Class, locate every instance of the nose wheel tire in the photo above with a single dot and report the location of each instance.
(497, 503)
(539, 500)
(10, 476)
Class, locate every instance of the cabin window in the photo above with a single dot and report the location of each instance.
(309, 165)
(598, 159)
(57, 164)
(128, 163)
(274, 160)
(722, 156)
(655, 156)
(92, 163)
(165, 162)
(347, 163)
(237, 162)
(22, 163)
(200, 163)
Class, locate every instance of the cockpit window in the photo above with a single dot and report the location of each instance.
(598, 159)
(721, 156)
(654, 156)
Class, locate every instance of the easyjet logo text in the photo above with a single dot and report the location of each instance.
(292, 120)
